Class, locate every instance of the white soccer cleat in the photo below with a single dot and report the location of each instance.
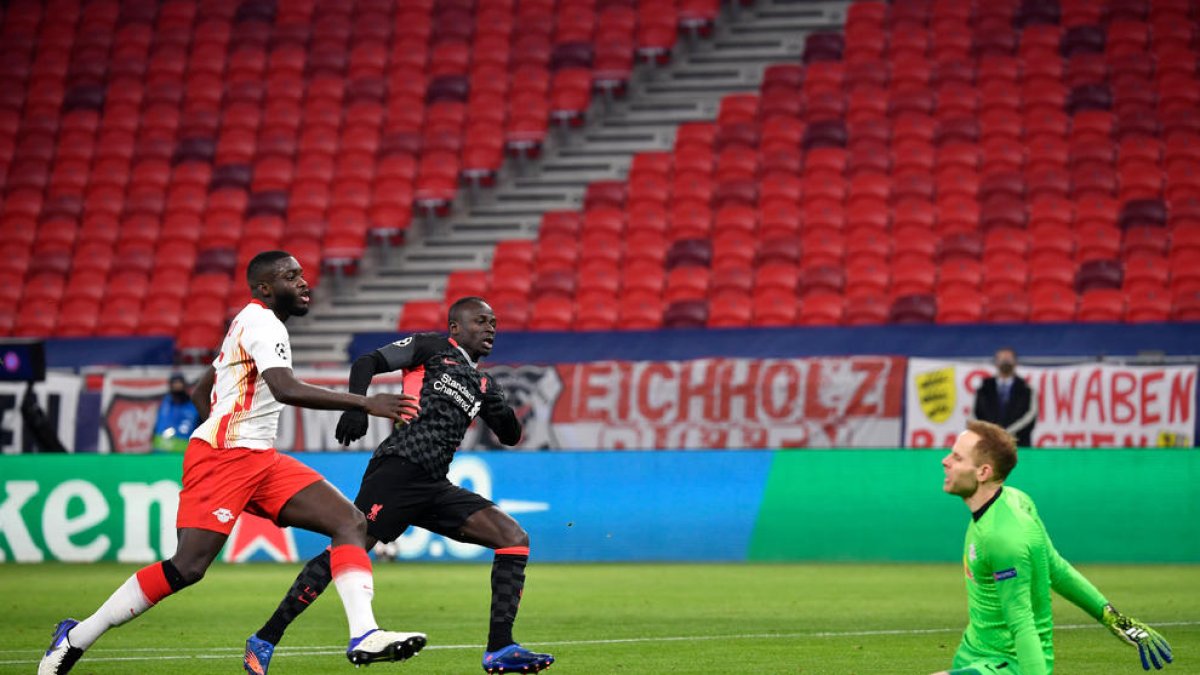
(60, 656)
(383, 645)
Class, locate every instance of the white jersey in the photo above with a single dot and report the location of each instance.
(243, 412)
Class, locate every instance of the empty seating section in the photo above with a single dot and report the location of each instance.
(936, 161)
(939, 161)
(148, 148)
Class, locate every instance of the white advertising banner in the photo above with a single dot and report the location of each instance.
(1090, 405)
(58, 397)
(129, 407)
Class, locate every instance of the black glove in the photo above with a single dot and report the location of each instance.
(351, 427)
(494, 400)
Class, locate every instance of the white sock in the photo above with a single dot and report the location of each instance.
(357, 588)
(124, 604)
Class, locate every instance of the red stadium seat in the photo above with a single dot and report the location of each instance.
(119, 316)
(959, 305)
(730, 310)
(599, 312)
(77, 318)
(422, 315)
(552, 313)
(820, 309)
(865, 310)
(37, 319)
(1100, 305)
(161, 316)
(686, 283)
(734, 249)
(1008, 307)
(197, 343)
(774, 308)
(639, 313)
(598, 280)
(44, 287)
(1147, 305)
(1052, 305)
(959, 275)
(127, 285)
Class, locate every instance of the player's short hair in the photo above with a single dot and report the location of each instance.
(1010, 350)
(461, 304)
(263, 263)
(995, 446)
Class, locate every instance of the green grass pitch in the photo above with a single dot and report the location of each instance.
(794, 618)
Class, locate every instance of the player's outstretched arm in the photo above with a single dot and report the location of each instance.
(202, 392)
(1151, 645)
(1072, 585)
(291, 391)
(353, 423)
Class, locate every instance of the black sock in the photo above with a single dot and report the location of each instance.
(309, 584)
(508, 583)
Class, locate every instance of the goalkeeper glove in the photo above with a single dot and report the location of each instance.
(1152, 646)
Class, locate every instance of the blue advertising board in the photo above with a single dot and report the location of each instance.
(593, 506)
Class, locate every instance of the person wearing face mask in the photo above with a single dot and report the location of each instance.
(177, 417)
(1007, 399)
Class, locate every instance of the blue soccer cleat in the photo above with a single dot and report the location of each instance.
(383, 645)
(258, 655)
(515, 659)
(60, 656)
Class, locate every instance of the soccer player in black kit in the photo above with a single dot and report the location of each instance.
(405, 482)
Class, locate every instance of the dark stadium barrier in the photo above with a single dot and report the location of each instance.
(1070, 340)
(115, 351)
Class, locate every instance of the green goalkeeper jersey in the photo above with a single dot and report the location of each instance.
(1011, 567)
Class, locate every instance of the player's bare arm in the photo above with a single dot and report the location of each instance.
(202, 392)
(291, 391)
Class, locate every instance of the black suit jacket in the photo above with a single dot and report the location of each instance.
(1021, 408)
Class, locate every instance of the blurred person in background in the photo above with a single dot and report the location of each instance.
(177, 417)
(1007, 399)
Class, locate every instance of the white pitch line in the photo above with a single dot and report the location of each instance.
(226, 653)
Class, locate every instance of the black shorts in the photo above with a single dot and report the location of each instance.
(396, 493)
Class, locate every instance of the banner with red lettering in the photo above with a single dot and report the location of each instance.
(705, 403)
(1083, 405)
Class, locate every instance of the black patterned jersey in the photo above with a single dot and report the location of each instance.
(452, 392)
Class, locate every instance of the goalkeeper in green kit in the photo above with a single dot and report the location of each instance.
(1011, 567)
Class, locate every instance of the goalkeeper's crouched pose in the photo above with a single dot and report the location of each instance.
(1011, 566)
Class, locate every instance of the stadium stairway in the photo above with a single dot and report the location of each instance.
(702, 69)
